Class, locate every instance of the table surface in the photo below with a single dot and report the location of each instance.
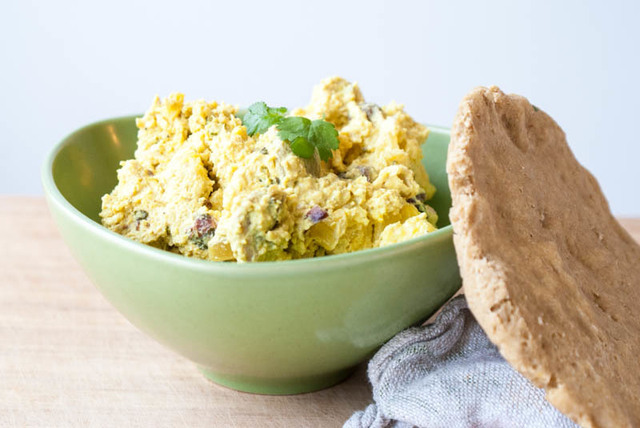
(67, 358)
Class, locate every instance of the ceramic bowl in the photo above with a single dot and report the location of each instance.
(274, 327)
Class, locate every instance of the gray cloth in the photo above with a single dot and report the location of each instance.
(448, 374)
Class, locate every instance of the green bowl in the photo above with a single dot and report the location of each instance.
(273, 327)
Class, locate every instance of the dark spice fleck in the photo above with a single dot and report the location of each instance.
(140, 215)
(358, 171)
(274, 208)
(416, 203)
(370, 110)
(366, 172)
(316, 214)
(208, 204)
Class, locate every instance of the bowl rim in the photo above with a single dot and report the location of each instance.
(54, 196)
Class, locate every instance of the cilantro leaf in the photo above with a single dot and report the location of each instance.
(291, 128)
(259, 117)
(306, 136)
(324, 137)
(302, 147)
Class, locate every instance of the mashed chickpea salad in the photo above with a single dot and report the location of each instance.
(336, 176)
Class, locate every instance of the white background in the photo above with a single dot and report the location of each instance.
(65, 64)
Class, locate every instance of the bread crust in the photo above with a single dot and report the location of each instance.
(549, 273)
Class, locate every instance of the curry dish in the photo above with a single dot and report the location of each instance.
(201, 187)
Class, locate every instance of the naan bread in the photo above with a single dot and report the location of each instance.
(550, 275)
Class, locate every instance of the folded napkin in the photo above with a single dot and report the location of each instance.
(448, 374)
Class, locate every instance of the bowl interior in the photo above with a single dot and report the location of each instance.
(84, 167)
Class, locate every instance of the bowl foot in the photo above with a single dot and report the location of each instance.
(287, 386)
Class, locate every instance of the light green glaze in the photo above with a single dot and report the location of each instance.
(272, 328)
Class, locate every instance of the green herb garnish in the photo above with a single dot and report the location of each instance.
(304, 136)
(259, 118)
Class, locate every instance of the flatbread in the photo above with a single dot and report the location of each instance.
(550, 275)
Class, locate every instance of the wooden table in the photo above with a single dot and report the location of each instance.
(67, 358)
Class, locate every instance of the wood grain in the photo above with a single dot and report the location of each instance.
(67, 358)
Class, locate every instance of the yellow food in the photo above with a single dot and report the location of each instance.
(200, 186)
